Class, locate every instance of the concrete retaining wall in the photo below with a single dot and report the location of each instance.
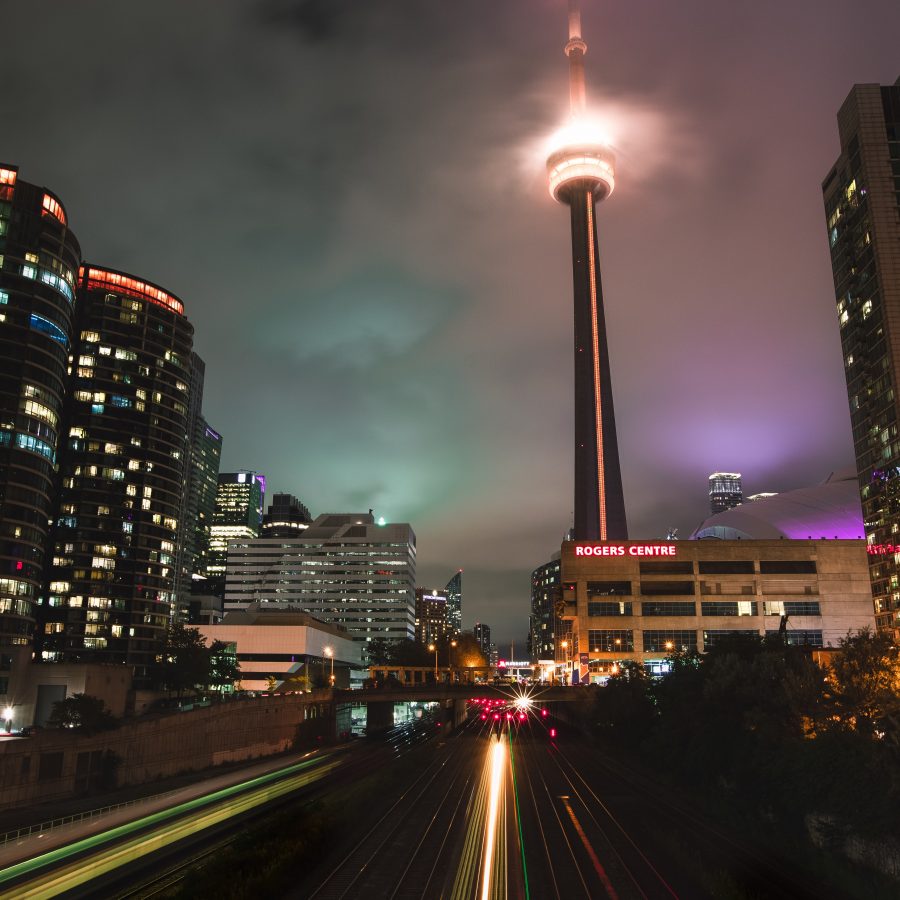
(62, 763)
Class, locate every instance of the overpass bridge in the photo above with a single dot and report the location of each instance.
(379, 700)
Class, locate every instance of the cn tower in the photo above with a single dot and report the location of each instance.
(582, 173)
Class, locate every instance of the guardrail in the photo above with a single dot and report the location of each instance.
(46, 827)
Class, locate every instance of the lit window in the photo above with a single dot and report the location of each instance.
(52, 207)
(45, 326)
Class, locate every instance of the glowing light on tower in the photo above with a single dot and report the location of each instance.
(581, 172)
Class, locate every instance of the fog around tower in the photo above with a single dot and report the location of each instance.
(342, 194)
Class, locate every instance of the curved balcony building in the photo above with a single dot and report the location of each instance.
(39, 259)
(112, 578)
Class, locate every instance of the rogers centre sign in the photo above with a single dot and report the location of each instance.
(626, 550)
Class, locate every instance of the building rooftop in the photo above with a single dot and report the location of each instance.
(830, 510)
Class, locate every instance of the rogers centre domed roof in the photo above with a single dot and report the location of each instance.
(828, 510)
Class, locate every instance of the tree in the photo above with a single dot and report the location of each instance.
(398, 653)
(224, 668)
(467, 653)
(185, 663)
(865, 683)
(82, 711)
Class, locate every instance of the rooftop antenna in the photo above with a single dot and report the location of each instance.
(575, 50)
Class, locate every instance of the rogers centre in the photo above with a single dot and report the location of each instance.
(622, 549)
(644, 600)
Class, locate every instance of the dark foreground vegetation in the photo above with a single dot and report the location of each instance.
(771, 738)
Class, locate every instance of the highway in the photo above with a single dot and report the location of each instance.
(511, 805)
(508, 808)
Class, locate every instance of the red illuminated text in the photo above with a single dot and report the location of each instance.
(626, 549)
(882, 549)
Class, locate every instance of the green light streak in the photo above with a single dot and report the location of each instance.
(104, 837)
(512, 766)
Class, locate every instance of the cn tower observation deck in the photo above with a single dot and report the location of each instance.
(581, 173)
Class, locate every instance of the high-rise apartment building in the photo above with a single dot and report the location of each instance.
(431, 617)
(545, 598)
(202, 488)
(482, 634)
(39, 260)
(344, 569)
(725, 491)
(454, 604)
(238, 516)
(203, 453)
(581, 174)
(111, 580)
(862, 210)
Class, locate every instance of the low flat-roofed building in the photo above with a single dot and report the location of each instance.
(287, 646)
(642, 600)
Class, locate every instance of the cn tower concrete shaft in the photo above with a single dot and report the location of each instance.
(581, 174)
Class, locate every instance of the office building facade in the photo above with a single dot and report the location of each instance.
(39, 260)
(641, 601)
(482, 634)
(237, 516)
(454, 605)
(725, 491)
(285, 517)
(344, 569)
(862, 210)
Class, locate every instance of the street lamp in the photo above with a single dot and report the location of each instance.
(435, 649)
(565, 646)
(449, 654)
(669, 645)
(8, 714)
(329, 652)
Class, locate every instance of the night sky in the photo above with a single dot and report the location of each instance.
(350, 198)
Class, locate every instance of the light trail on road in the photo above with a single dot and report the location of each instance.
(153, 832)
(498, 768)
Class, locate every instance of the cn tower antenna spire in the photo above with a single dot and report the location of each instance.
(575, 50)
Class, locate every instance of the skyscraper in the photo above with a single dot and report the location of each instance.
(581, 174)
(238, 515)
(202, 455)
(202, 482)
(454, 604)
(482, 635)
(111, 581)
(39, 259)
(725, 491)
(285, 517)
(862, 210)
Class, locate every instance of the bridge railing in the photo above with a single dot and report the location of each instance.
(85, 816)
